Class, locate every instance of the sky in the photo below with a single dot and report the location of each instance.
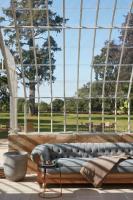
(72, 12)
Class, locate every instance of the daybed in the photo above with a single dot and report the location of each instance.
(70, 157)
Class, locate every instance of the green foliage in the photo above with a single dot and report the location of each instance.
(112, 73)
(27, 43)
(44, 107)
(20, 105)
(71, 105)
(4, 93)
(124, 106)
(58, 105)
(114, 59)
(84, 91)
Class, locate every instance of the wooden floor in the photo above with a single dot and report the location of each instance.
(29, 189)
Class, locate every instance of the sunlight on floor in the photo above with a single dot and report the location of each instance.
(29, 189)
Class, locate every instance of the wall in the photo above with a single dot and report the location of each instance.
(23, 142)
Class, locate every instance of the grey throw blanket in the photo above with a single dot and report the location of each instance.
(97, 169)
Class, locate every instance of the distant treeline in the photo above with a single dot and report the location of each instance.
(72, 105)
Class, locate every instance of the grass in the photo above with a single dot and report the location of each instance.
(58, 121)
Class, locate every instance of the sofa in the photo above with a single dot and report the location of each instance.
(70, 157)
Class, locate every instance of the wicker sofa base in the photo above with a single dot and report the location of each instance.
(2, 175)
(76, 178)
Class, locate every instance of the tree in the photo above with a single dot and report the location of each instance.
(27, 42)
(114, 59)
(84, 94)
(124, 107)
(128, 52)
(20, 105)
(58, 105)
(112, 68)
(44, 107)
(112, 71)
(71, 105)
(4, 93)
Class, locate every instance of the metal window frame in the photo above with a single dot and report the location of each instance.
(36, 66)
(106, 62)
(12, 83)
(50, 64)
(78, 64)
(79, 28)
(13, 6)
(120, 62)
(92, 61)
(64, 63)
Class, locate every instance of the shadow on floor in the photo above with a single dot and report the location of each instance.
(29, 190)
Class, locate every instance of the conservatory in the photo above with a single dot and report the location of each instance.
(67, 68)
(77, 65)
(60, 62)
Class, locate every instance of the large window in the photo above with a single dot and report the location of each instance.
(74, 64)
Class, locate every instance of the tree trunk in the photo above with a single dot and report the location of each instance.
(32, 110)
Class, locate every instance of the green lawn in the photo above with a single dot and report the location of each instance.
(58, 121)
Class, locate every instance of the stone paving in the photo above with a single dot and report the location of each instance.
(29, 190)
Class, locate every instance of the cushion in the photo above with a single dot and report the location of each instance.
(81, 150)
(124, 166)
(69, 165)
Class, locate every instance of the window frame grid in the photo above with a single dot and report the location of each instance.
(64, 27)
